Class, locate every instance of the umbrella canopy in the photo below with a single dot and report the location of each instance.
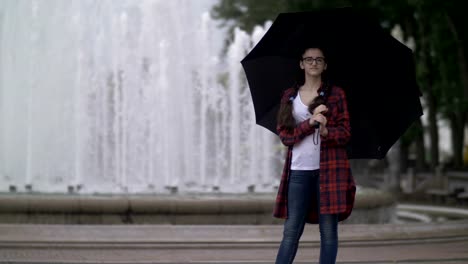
(376, 71)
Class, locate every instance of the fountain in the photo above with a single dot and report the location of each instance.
(110, 108)
(126, 97)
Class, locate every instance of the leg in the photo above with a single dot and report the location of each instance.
(328, 238)
(299, 193)
(328, 225)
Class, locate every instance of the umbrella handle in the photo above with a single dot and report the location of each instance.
(316, 124)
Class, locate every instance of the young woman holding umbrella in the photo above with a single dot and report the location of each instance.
(317, 185)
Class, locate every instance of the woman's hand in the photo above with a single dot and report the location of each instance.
(323, 131)
(322, 120)
(320, 109)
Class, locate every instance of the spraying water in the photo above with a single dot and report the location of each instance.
(126, 97)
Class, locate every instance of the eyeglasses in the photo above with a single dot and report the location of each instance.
(310, 60)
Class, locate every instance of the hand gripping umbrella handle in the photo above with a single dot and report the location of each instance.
(317, 124)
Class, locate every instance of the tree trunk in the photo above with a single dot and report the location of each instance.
(430, 97)
(433, 130)
(410, 26)
(459, 121)
(420, 148)
(393, 176)
(457, 124)
(404, 158)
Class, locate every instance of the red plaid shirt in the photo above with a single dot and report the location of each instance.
(337, 187)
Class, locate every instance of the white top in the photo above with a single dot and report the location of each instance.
(305, 154)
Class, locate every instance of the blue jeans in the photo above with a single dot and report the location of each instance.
(302, 185)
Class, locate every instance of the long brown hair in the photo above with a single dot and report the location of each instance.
(285, 117)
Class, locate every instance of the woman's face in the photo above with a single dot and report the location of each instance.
(313, 62)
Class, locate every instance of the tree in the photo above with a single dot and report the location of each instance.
(246, 14)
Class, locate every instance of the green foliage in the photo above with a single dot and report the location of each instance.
(246, 14)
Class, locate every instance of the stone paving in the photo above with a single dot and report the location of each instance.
(387, 243)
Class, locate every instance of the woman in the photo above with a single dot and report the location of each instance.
(317, 185)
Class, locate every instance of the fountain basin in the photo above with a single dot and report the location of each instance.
(372, 206)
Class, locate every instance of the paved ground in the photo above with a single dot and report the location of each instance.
(389, 243)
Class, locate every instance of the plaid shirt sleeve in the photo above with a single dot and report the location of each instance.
(289, 138)
(339, 133)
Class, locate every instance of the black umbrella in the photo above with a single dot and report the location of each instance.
(376, 71)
